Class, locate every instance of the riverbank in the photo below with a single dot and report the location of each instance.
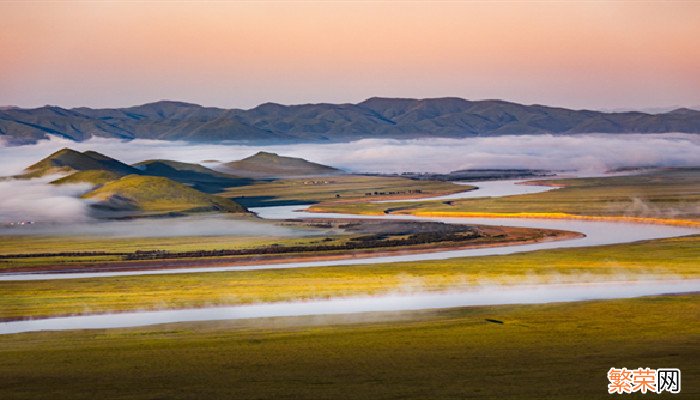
(536, 215)
(490, 236)
(663, 259)
(660, 197)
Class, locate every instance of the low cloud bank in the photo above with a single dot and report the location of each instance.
(38, 201)
(583, 153)
(36, 207)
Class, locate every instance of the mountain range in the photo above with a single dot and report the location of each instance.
(373, 118)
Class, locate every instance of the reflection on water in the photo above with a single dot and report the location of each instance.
(478, 296)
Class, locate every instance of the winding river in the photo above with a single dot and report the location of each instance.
(507, 187)
(596, 233)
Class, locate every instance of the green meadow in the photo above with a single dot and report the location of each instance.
(12, 245)
(667, 258)
(559, 350)
(345, 187)
(671, 194)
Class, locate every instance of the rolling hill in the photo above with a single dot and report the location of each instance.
(93, 176)
(67, 160)
(151, 194)
(146, 188)
(373, 118)
(198, 176)
(264, 164)
(96, 168)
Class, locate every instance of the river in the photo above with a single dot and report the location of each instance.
(596, 233)
(477, 296)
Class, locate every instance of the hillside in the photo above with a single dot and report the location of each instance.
(264, 164)
(96, 168)
(93, 176)
(198, 176)
(157, 195)
(372, 118)
(67, 160)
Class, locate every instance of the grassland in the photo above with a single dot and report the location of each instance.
(93, 176)
(67, 160)
(328, 239)
(83, 244)
(667, 195)
(339, 188)
(673, 258)
(157, 195)
(39, 244)
(543, 351)
(560, 351)
(263, 164)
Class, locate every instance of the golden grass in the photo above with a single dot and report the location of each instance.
(672, 258)
(542, 215)
(553, 351)
(661, 197)
(347, 187)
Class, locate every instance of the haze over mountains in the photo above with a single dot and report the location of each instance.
(309, 123)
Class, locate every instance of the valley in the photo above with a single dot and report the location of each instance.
(346, 239)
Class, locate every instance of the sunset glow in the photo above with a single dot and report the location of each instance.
(574, 54)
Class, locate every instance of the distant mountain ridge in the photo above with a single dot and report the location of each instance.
(373, 118)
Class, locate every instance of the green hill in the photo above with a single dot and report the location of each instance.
(67, 160)
(153, 194)
(264, 164)
(198, 176)
(96, 168)
(94, 176)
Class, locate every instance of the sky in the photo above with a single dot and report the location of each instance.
(587, 54)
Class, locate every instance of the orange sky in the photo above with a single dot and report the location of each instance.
(576, 54)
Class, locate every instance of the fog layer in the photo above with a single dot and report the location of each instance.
(38, 201)
(584, 153)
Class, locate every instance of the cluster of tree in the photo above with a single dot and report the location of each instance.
(378, 240)
(411, 191)
(63, 254)
(362, 242)
(420, 238)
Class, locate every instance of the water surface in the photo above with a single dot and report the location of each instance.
(506, 187)
(596, 233)
(477, 296)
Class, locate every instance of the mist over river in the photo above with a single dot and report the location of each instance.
(476, 296)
